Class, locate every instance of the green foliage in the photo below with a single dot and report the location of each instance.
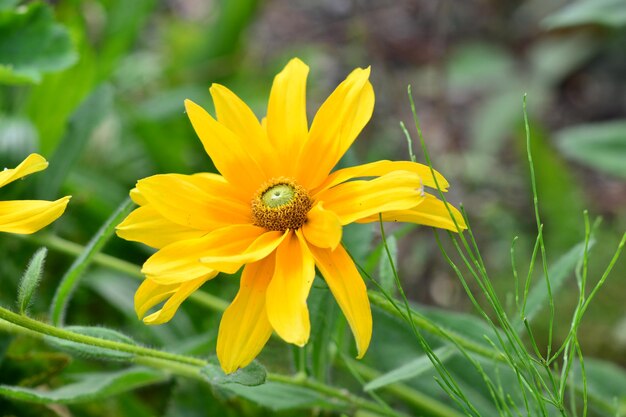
(601, 146)
(251, 376)
(88, 387)
(32, 43)
(30, 280)
(611, 13)
(93, 352)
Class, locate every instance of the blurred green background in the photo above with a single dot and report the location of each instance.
(97, 87)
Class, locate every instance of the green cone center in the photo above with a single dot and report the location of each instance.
(278, 195)
(281, 204)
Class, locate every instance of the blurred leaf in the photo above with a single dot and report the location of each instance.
(31, 43)
(386, 277)
(18, 138)
(479, 66)
(278, 396)
(80, 130)
(252, 375)
(611, 13)
(7, 4)
(411, 369)
(93, 352)
(558, 272)
(607, 383)
(89, 387)
(555, 58)
(323, 314)
(30, 279)
(599, 145)
(561, 199)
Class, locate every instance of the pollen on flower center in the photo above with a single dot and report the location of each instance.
(281, 204)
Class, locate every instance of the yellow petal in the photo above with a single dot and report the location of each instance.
(228, 152)
(233, 113)
(244, 328)
(137, 198)
(28, 216)
(353, 200)
(379, 168)
(147, 226)
(240, 245)
(287, 125)
(33, 163)
(203, 202)
(349, 290)
(287, 292)
(430, 212)
(322, 227)
(336, 125)
(153, 294)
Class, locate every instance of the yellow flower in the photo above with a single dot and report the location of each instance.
(28, 216)
(277, 210)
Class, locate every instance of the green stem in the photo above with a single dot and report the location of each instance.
(70, 280)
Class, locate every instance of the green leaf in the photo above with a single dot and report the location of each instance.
(278, 396)
(88, 387)
(611, 13)
(93, 352)
(600, 145)
(606, 383)
(80, 130)
(386, 277)
(251, 376)
(410, 369)
(18, 137)
(8, 4)
(30, 279)
(32, 43)
(558, 273)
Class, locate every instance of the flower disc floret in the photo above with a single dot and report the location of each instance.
(281, 204)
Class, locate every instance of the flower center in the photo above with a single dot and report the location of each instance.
(281, 204)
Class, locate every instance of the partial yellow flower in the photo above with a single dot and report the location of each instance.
(277, 210)
(28, 216)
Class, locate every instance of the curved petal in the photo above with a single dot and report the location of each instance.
(202, 202)
(241, 246)
(287, 126)
(146, 225)
(137, 198)
(336, 125)
(379, 168)
(287, 292)
(28, 216)
(244, 328)
(233, 113)
(33, 163)
(349, 290)
(150, 294)
(228, 151)
(353, 200)
(430, 212)
(322, 227)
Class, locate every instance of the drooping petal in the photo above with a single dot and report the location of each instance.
(203, 202)
(233, 113)
(146, 225)
(335, 126)
(28, 216)
(287, 292)
(353, 200)
(150, 294)
(349, 290)
(430, 212)
(379, 168)
(227, 150)
(245, 328)
(33, 163)
(287, 126)
(241, 245)
(322, 228)
(224, 250)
